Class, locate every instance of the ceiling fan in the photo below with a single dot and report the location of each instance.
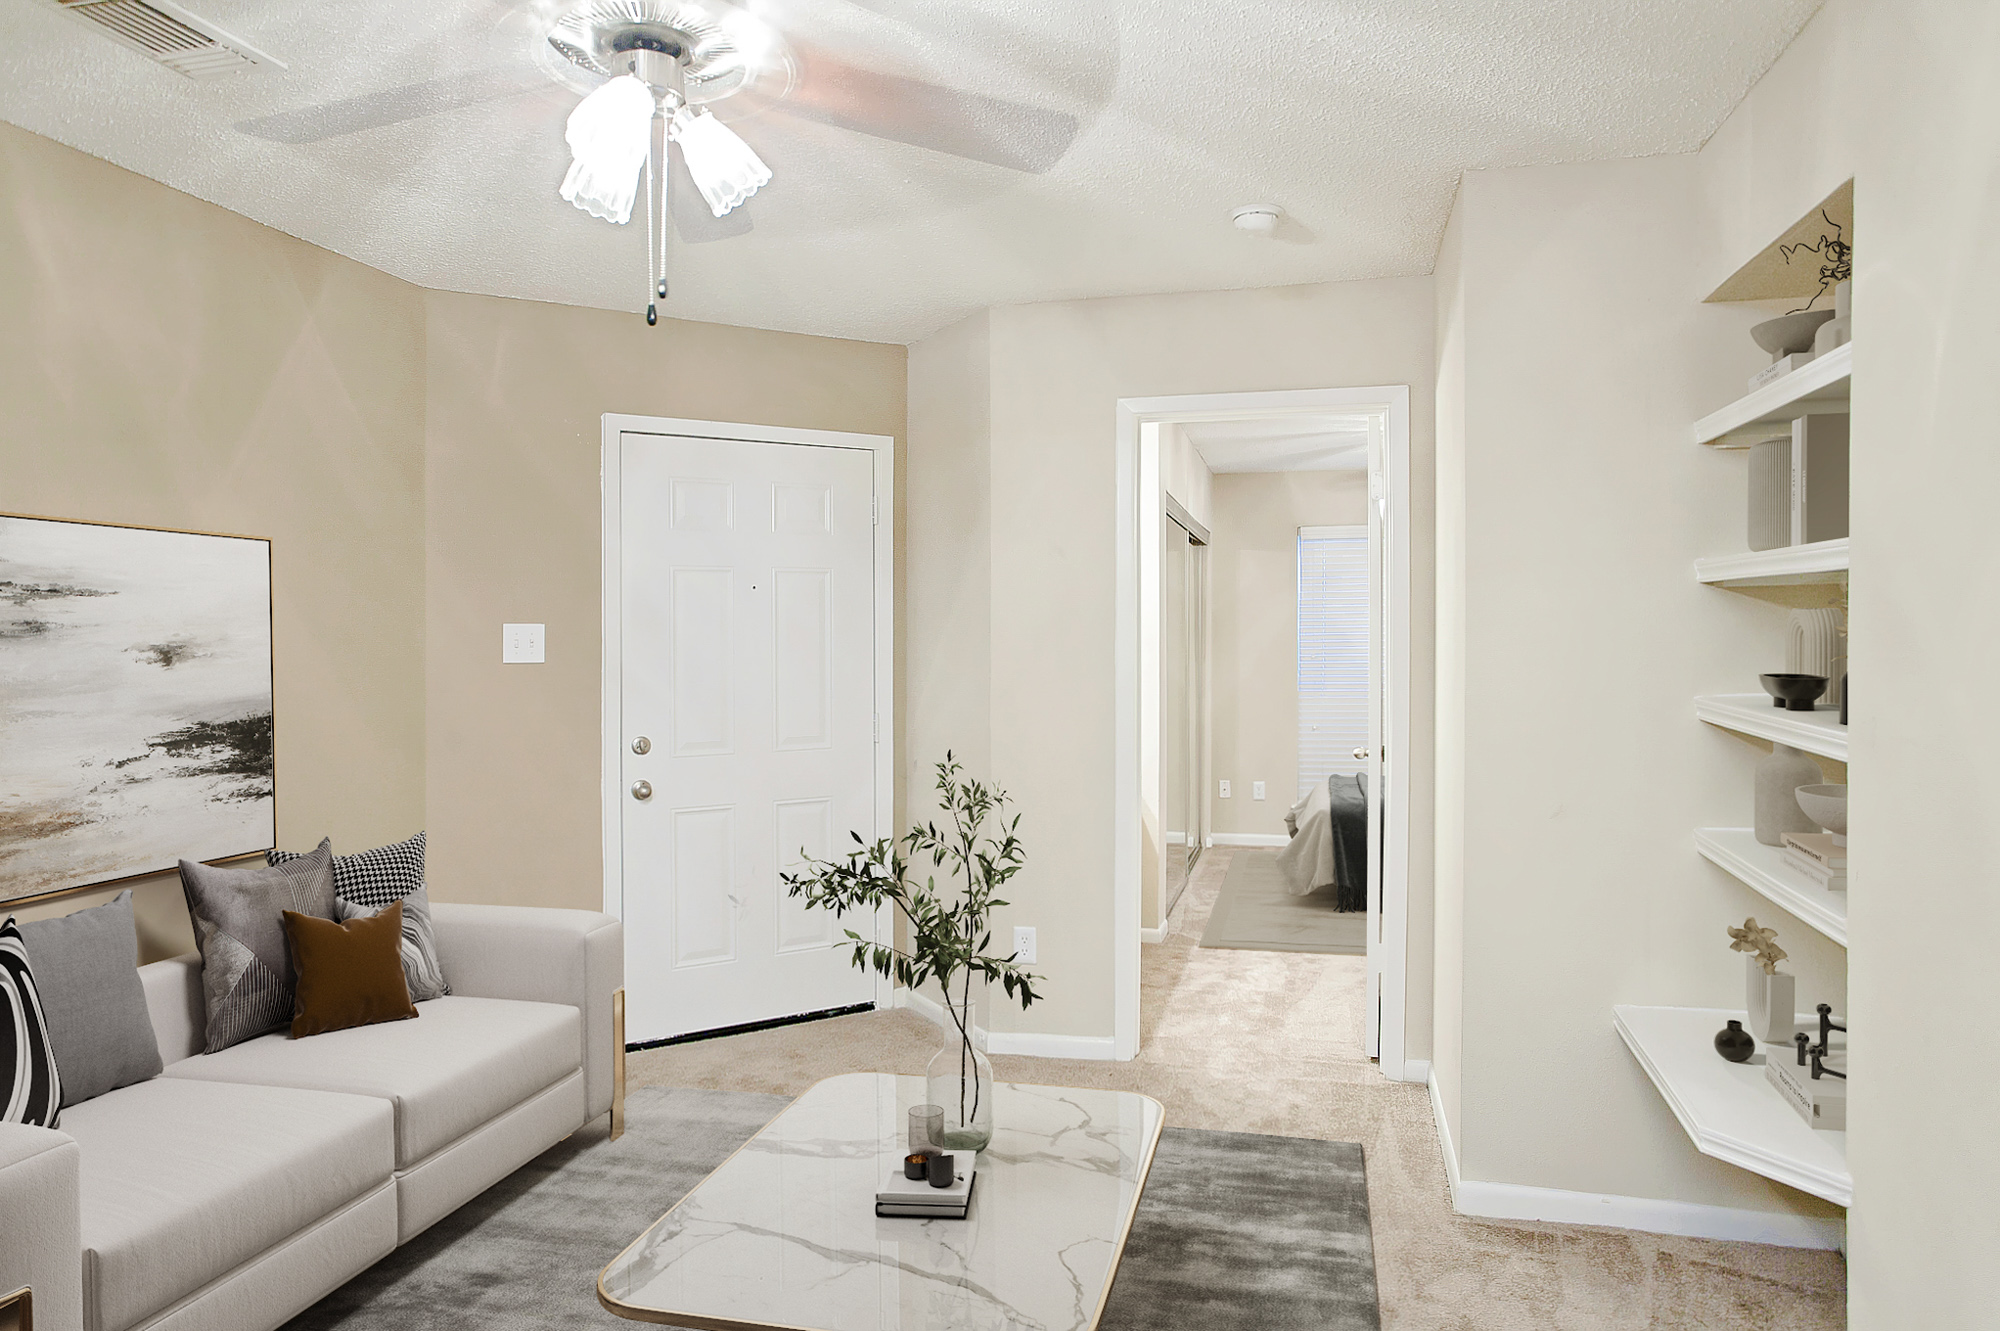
(660, 67)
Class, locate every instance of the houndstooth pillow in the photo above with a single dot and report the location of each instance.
(370, 881)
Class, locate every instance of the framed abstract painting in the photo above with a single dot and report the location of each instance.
(135, 702)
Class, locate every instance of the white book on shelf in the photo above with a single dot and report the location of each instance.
(1833, 880)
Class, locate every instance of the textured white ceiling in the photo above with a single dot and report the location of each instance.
(1356, 117)
(1282, 443)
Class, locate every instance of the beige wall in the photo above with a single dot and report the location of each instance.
(1567, 377)
(1583, 637)
(1056, 372)
(1901, 97)
(515, 392)
(1254, 633)
(167, 363)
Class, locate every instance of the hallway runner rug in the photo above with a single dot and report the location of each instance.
(1253, 911)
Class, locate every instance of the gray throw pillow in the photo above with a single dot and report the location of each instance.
(239, 925)
(87, 967)
(420, 965)
(369, 882)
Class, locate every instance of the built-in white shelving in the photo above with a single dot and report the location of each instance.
(1817, 731)
(1786, 566)
(1762, 869)
(1820, 384)
(1727, 1109)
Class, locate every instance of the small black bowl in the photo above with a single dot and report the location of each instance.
(1794, 693)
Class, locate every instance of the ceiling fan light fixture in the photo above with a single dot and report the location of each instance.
(609, 135)
(724, 167)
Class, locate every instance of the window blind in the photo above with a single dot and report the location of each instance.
(1333, 652)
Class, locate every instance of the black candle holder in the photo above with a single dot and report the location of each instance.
(1814, 1055)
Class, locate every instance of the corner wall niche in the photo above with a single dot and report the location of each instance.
(1795, 413)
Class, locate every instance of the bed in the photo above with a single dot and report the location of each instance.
(1329, 845)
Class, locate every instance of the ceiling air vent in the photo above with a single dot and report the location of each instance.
(169, 34)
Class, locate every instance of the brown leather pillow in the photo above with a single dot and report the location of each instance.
(349, 974)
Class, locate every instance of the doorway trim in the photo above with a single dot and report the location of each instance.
(611, 686)
(1133, 442)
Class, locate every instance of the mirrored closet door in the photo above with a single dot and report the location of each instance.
(1183, 704)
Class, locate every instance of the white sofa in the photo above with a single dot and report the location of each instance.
(236, 1189)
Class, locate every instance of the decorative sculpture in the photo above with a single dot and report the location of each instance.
(1762, 942)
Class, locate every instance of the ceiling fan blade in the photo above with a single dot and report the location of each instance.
(392, 106)
(693, 221)
(924, 115)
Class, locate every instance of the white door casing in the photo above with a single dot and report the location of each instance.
(1136, 449)
(746, 589)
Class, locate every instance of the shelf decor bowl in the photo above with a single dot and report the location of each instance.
(1827, 806)
(1789, 333)
(1794, 693)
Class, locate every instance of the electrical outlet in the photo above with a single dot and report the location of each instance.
(1024, 944)
(521, 644)
(1225, 789)
(1256, 790)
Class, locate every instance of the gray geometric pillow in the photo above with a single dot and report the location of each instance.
(420, 963)
(238, 916)
(371, 881)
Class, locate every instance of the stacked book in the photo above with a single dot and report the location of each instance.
(1814, 857)
(916, 1197)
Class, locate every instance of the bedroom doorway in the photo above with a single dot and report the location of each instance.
(1296, 504)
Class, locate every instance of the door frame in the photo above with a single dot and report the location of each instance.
(1135, 449)
(611, 577)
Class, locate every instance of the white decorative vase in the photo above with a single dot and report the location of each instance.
(1770, 1004)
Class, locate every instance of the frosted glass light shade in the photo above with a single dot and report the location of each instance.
(724, 168)
(609, 135)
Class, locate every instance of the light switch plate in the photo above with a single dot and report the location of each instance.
(1256, 790)
(521, 644)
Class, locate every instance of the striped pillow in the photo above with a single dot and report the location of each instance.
(30, 1085)
(368, 882)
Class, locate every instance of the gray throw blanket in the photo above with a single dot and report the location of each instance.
(1348, 796)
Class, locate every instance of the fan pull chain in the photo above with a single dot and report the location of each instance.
(652, 313)
(656, 214)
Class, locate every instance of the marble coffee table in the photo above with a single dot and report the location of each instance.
(784, 1235)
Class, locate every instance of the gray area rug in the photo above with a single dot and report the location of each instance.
(1253, 911)
(1235, 1231)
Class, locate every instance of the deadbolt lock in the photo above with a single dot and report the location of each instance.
(642, 745)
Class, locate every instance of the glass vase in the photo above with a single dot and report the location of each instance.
(960, 1081)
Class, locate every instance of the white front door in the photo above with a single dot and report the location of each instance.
(747, 728)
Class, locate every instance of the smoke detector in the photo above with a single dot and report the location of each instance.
(1259, 219)
(163, 31)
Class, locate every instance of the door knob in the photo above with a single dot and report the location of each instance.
(1361, 755)
(642, 745)
(642, 790)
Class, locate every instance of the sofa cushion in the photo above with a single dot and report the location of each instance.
(87, 966)
(246, 969)
(350, 974)
(30, 1079)
(368, 882)
(463, 1062)
(183, 1181)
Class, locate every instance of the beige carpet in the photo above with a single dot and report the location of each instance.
(1270, 1042)
(1253, 910)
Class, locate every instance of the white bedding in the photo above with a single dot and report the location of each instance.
(1306, 862)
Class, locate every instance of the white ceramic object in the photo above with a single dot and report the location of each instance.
(1812, 647)
(1839, 330)
(1778, 780)
(1769, 1002)
(1789, 332)
(1827, 806)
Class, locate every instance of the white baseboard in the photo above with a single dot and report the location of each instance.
(1158, 935)
(1028, 1043)
(1095, 1047)
(1651, 1215)
(1416, 1070)
(1249, 839)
